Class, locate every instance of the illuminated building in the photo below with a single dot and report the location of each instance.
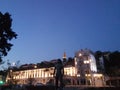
(80, 70)
(86, 67)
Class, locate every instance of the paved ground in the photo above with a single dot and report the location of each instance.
(73, 88)
(65, 88)
(44, 88)
(91, 88)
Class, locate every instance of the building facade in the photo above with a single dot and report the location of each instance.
(80, 70)
(85, 64)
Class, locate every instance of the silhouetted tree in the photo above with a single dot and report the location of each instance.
(98, 55)
(115, 59)
(115, 63)
(111, 63)
(6, 34)
(70, 59)
(3, 74)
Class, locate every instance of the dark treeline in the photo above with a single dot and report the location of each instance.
(111, 62)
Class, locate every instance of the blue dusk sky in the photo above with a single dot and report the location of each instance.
(48, 28)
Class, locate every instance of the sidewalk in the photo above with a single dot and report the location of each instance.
(65, 88)
(91, 88)
(73, 88)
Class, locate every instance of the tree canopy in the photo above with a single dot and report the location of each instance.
(111, 62)
(6, 34)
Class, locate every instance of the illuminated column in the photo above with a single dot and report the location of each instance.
(37, 73)
(19, 76)
(75, 61)
(70, 71)
(43, 73)
(40, 73)
(27, 73)
(34, 73)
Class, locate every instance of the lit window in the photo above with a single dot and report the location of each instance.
(80, 54)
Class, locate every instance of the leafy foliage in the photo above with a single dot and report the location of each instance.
(6, 34)
(111, 62)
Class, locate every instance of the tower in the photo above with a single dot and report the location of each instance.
(64, 57)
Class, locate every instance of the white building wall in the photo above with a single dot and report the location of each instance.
(83, 71)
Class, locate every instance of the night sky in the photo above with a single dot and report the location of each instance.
(48, 28)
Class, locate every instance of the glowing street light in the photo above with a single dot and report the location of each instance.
(1, 82)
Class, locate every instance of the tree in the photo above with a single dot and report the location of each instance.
(111, 63)
(114, 63)
(6, 34)
(98, 55)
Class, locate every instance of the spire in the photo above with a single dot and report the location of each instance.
(64, 57)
